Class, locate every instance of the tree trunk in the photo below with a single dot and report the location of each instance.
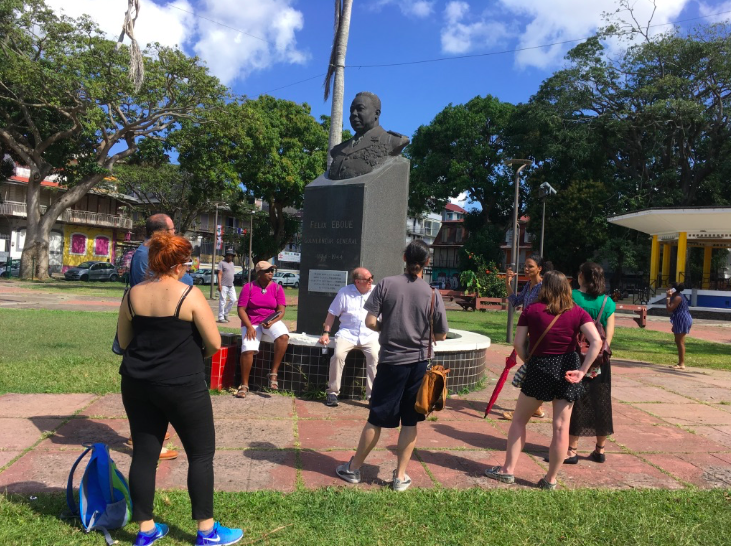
(34, 260)
(336, 113)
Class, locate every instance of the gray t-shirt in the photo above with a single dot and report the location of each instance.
(404, 305)
(227, 278)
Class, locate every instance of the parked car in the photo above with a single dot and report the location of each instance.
(92, 271)
(241, 277)
(287, 279)
(14, 270)
(202, 276)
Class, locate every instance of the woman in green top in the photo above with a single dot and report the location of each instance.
(592, 415)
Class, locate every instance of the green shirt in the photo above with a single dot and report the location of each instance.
(592, 304)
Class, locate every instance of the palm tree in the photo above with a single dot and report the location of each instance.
(336, 68)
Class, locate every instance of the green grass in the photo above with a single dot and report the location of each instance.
(629, 343)
(70, 351)
(344, 516)
(78, 288)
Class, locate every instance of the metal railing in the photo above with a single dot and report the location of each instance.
(69, 216)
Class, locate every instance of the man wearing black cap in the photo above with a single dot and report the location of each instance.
(226, 290)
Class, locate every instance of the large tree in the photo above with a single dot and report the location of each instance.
(462, 151)
(273, 148)
(68, 108)
(616, 133)
(160, 186)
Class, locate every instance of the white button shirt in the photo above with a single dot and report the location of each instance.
(348, 306)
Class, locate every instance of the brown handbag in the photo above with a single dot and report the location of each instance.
(432, 395)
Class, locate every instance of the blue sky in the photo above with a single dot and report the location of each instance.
(261, 46)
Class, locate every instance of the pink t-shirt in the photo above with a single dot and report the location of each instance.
(258, 303)
(562, 338)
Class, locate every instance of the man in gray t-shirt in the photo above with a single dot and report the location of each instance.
(227, 292)
(405, 306)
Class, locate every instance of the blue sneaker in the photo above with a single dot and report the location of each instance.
(219, 536)
(145, 539)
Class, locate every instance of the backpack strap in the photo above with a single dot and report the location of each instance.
(601, 311)
(431, 325)
(70, 484)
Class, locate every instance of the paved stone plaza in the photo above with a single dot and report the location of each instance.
(673, 430)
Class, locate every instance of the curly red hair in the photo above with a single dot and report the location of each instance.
(167, 251)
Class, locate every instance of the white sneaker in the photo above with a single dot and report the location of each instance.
(401, 485)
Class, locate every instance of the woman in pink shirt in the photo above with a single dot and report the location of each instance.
(552, 325)
(258, 301)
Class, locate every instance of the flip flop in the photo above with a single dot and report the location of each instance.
(677, 367)
(242, 392)
(273, 384)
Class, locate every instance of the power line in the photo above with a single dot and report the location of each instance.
(441, 59)
(221, 24)
(527, 48)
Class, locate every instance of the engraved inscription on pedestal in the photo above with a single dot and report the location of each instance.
(326, 280)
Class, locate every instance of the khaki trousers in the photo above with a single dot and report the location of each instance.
(337, 363)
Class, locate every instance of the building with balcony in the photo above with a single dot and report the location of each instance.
(525, 246)
(446, 246)
(89, 230)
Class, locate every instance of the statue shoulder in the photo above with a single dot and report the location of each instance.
(397, 135)
(339, 147)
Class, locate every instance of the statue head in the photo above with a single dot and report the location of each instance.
(364, 112)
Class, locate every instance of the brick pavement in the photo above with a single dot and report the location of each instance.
(673, 430)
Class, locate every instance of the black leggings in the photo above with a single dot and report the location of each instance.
(188, 408)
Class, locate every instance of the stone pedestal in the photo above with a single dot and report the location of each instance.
(358, 222)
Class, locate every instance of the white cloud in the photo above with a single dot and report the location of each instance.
(413, 8)
(560, 20)
(265, 35)
(464, 32)
(155, 23)
(724, 8)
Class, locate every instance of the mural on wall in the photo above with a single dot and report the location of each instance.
(83, 243)
(447, 277)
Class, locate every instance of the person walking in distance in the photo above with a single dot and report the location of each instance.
(353, 333)
(226, 291)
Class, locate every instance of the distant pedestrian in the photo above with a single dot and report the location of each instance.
(166, 329)
(353, 333)
(404, 302)
(554, 373)
(226, 291)
(680, 318)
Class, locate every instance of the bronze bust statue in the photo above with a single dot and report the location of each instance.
(370, 147)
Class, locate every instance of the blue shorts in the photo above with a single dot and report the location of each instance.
(394, 395)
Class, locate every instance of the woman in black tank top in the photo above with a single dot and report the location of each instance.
(166, 328)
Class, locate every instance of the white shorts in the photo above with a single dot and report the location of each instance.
(278, 329)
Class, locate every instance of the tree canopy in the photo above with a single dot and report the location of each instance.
(68, 107)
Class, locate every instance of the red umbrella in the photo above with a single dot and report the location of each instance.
(509, 363)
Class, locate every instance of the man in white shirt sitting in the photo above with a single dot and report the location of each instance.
(352, 334)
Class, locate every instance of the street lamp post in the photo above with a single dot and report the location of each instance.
(215, 243)
(545, 191)
(516, 229)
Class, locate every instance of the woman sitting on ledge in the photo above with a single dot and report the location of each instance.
(258, 301)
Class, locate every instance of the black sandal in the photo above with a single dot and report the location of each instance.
(596, 456)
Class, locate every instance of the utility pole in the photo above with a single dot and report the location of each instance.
(215, 244)
(516, 231)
